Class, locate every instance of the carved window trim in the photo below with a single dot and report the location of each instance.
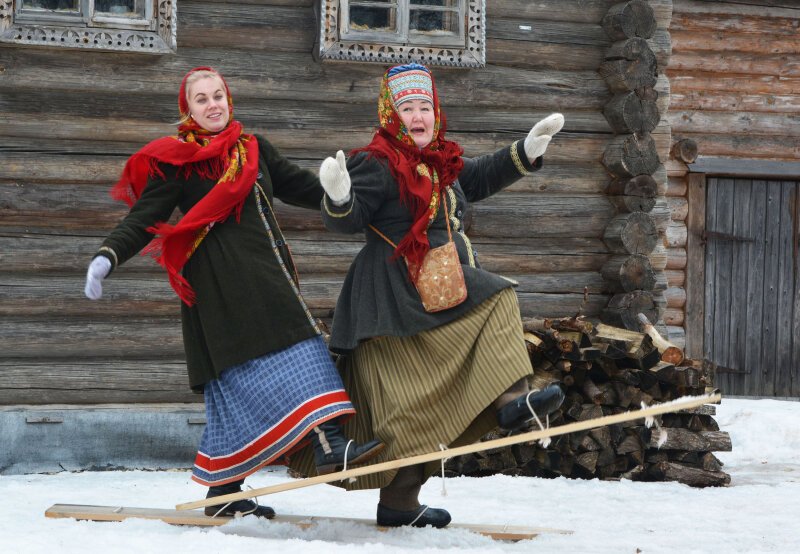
(383, 47)
(155, 33)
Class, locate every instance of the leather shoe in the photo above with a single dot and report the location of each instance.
(420, 517)
(517, 413)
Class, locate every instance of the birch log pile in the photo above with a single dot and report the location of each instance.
(608, 370)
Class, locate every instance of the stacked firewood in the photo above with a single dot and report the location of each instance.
(607, 370)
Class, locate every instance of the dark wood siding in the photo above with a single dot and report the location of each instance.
(752, 300)
(69, 120)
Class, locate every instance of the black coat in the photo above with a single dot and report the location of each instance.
(377, 297)
(246, 304)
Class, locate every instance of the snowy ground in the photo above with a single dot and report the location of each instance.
(758, 512)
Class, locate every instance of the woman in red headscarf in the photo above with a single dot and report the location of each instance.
(425, 378)
(252, 346)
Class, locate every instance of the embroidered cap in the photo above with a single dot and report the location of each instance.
(408, 82)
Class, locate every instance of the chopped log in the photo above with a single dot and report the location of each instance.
(624, 273)
(685, 150)
(720, 441)
(531, 324)
(671, 471)
(592, 393)
(710, 462)
(684, 439)
(533, 341)
(629, 444)
(632, 112)
(631, 155)
(623, 308)
(579, 340)
(664, 372)
(631, 233)
(669, 352)
(630, 19)
(633, 194)
(587, 461)
(629, 64)
(573, 324)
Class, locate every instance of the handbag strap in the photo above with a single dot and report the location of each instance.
(446, 219)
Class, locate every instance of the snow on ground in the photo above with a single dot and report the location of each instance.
(758, 512)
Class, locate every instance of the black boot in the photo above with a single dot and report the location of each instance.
(330, 446)
(419, 517)
(240, 507)
(517, 413)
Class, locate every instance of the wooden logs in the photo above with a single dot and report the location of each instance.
(623, 309)
(629, 64)
(678, 449)
(633, 233)
(626, 273)
(633, 112)
(629, 20)
(669, 352)
(633, 194)
(685, 150)
(631, 155)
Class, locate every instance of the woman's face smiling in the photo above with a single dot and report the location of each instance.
(418, 117)
(208, 104)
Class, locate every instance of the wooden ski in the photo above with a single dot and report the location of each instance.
(176, 517)
(657, 409)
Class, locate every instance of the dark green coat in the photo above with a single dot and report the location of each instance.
(246, 304)
(377, 297)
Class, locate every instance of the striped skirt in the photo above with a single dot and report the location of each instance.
(258, 412)
(434, 388)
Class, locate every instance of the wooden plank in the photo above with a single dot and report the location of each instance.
(189, 517)
(746, 167)
(730, 21)
(752, 382)
(594, 423)
(731, 41)
(785, 292)
(95, 381)
(713, 82)
(786, 65)
(763, 8)
(711, 264)
(703, 100)
(750, 146)
(299, 80)
(771, 286)
(584, 11)
(723, 290)
(733, 122)
(741, 330)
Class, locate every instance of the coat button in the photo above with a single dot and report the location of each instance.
(260, 175)
(458, 213)
(279, 242)
(475, 253)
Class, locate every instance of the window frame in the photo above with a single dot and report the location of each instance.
(155, 32)
(467, 49)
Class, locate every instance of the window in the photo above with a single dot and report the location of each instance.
(437, 32)
(127, 25)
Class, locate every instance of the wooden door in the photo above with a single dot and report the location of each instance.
(752, 295)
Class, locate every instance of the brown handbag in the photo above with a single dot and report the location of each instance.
(440, 281)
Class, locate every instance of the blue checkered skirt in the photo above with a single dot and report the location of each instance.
(258, 412)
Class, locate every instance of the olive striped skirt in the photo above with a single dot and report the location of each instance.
(434, 388)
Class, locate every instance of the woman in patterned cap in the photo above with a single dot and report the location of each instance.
(425, 379)
(252, 346)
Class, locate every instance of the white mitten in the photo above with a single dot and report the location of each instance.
(335, 179)
(537, 140)
(98, 269)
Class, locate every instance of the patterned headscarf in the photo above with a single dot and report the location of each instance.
(230, 157)
(421, 173)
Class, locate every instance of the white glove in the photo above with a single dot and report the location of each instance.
(98, 269)
(335, 179)
(537, 140)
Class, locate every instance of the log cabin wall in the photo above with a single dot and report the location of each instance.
(734, 78)
(69, 119)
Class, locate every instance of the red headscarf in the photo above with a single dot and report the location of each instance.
(230, 157)
(421, 173)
